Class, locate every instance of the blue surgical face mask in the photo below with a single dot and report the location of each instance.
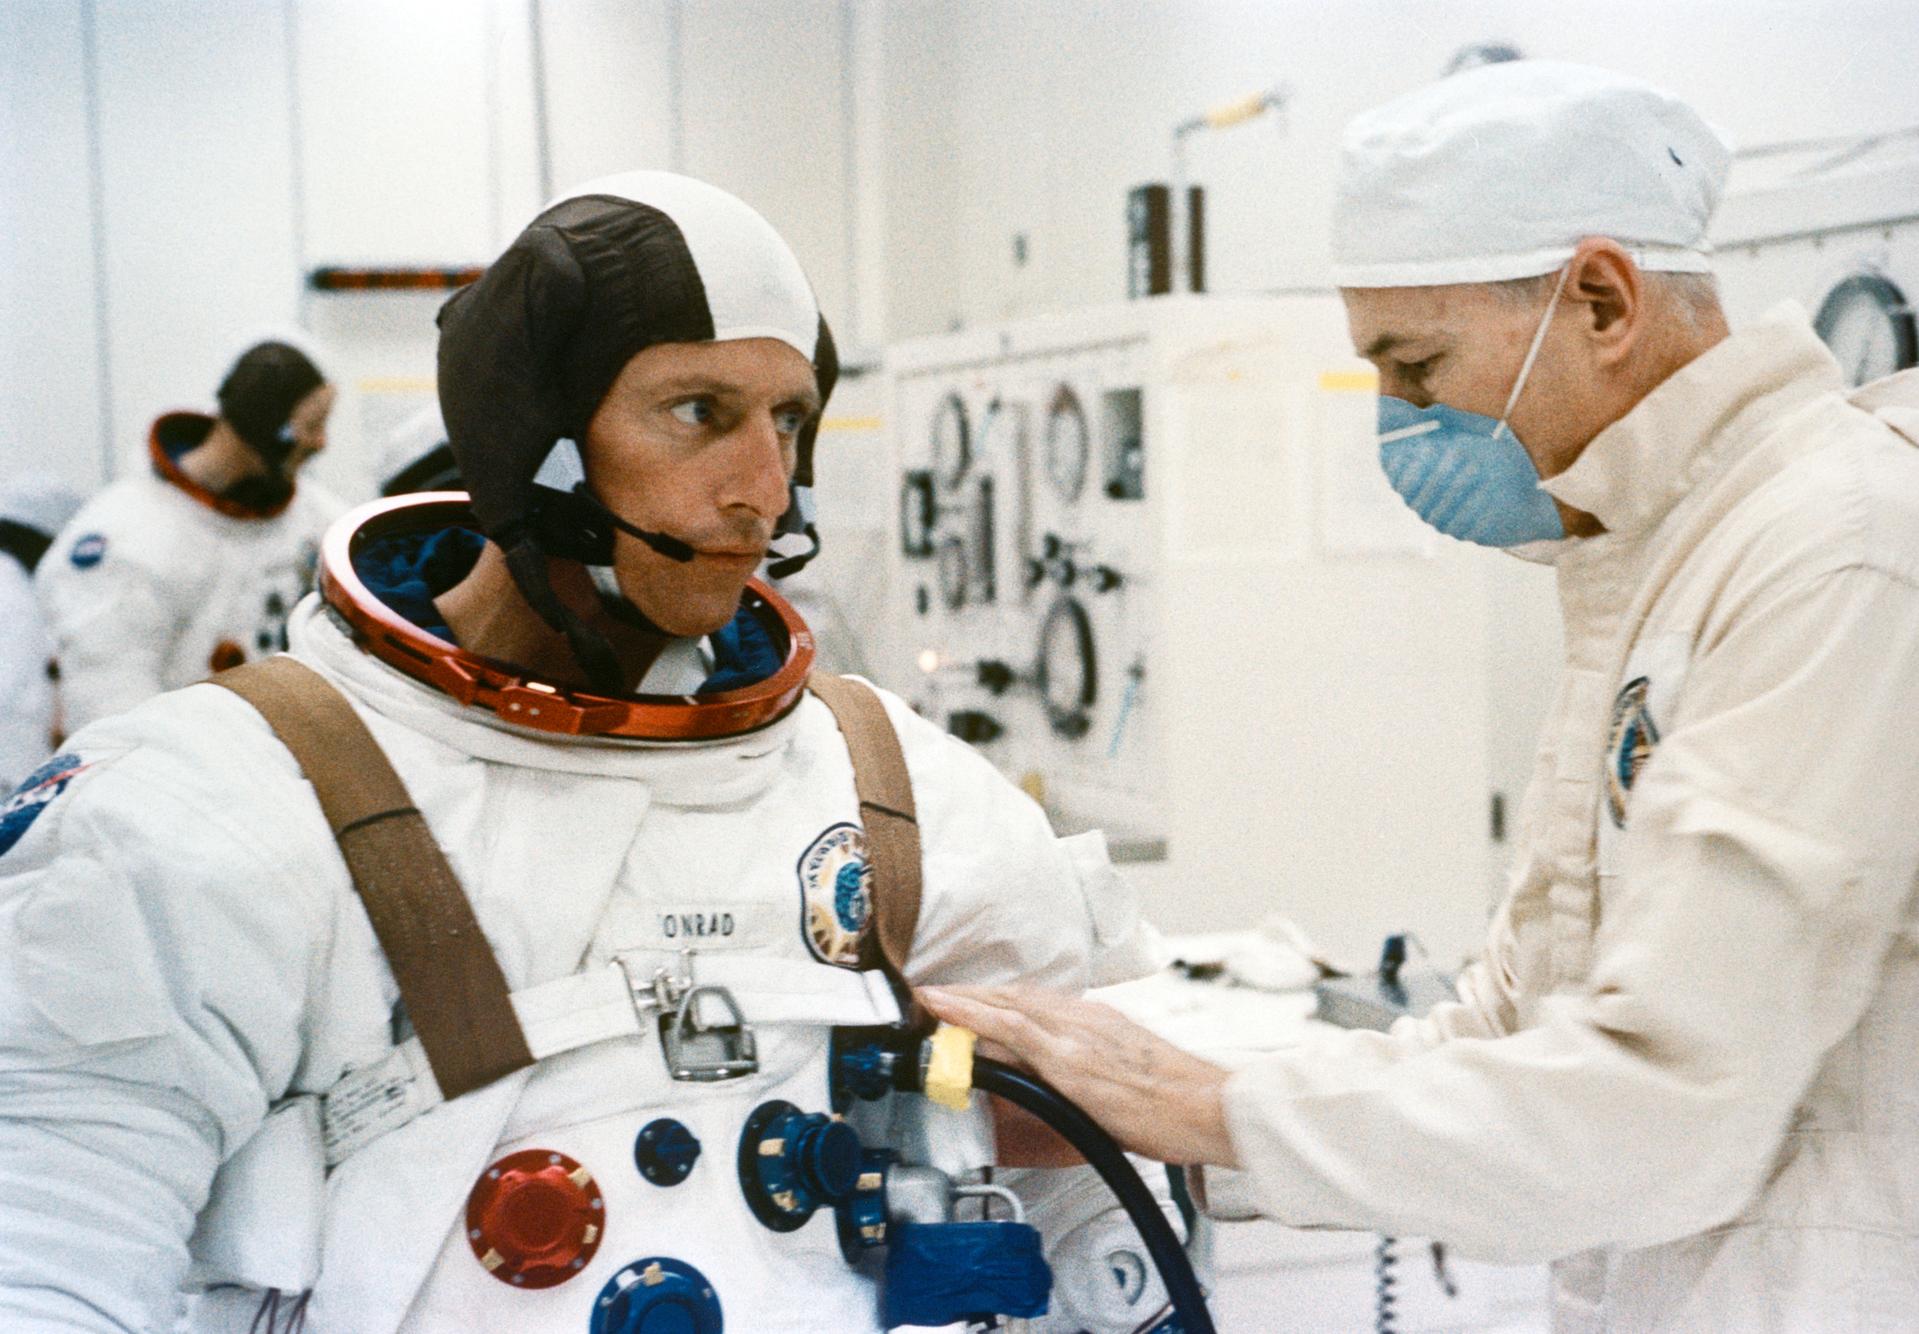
(1464, 473)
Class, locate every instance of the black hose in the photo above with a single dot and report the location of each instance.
(1116, 1170)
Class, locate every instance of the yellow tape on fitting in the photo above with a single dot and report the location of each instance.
(949, 1069)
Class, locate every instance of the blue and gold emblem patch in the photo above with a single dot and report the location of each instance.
(88, 551)
(1634, 736)
(34, 795)
(836, 895)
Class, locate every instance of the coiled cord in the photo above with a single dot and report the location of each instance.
(1385, 1261)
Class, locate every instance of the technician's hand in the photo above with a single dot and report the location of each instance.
(1148, 1094)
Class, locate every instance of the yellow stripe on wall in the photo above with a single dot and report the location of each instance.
(1349, 382)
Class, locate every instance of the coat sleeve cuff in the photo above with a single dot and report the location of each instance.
(1228, 1194)
(1222, 1193)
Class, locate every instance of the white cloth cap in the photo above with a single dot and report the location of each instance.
(752, 281)
(39, 501)
(1499, 172)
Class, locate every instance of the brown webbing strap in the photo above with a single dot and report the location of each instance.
(885, 792)
(449, 979)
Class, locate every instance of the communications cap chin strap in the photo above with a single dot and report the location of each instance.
(449, 979)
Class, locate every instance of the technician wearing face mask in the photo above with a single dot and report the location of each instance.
(192, 565)
(1685, 1069)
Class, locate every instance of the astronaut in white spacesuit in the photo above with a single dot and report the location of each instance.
(604, 721)
(192, 565)
(33, 507)
(415, 456)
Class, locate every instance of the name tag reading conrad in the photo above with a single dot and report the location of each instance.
(715, 926)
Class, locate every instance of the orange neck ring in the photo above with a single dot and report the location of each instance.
(170, 472)
(508, 691)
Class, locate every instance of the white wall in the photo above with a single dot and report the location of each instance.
(50, 387)
(198, 206)
(901, 146)
(242, 142)
(1005, 116)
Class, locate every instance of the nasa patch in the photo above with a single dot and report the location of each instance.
(35, 795)
(88, 551)
(836, 894)
(1634, 737)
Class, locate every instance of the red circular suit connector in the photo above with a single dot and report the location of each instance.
(535, 1218)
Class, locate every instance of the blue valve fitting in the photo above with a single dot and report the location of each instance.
(792, 1162)
(657, 1295)
(665, 1151)
(862, 1215)
(865, 1072)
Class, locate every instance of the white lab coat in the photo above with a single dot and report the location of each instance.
(26, 695)
(185, 951)
(147, 583)
(1688, 1068)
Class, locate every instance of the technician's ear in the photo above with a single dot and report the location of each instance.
(1609, 292)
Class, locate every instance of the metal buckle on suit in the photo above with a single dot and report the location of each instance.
(695, 1050)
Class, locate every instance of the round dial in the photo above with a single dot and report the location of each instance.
(1068, 673)
(1068, 444)
(1867, 323)
(952, 441)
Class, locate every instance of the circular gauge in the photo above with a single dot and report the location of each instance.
(1067, 671)
(1867, 323)
(952, 441)
(955, 572)
(1068, 444)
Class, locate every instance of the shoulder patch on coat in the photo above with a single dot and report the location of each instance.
(34, 795)
(88, 551)
(1634, 736)
(836, 894)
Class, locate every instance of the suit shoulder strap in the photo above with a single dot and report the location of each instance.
(451, 982)
(887, 811)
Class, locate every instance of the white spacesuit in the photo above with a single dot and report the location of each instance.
(415, 456)
(194, 987)
(157, 582)
(32, 509)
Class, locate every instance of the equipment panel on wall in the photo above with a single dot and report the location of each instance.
(1148, 565)
(1026, 541)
